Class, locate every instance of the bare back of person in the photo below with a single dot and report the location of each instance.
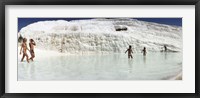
(129, 51)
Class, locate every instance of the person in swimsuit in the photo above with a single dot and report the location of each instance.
(23, 49)
(130, 51)
(31, 45)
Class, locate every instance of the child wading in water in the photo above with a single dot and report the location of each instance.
(144, 51)
(24, 47)
(129, 52)
(31, 45)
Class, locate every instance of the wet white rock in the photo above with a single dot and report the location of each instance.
(100, 35)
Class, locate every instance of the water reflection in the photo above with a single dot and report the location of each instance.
(144, 60)
(130, 63)
(31, 71)
(28, 70)
(109, 66)
(165, 55)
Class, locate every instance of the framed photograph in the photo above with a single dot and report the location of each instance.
(88, 48)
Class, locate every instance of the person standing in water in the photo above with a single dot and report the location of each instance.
(165, 48)
(31, 45)
(24, 47)
(144, 51)
(130, 51)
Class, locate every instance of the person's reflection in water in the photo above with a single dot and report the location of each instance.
(23, 67)
(144, 60)
(165, 55)
(31, 71)
(130, 63)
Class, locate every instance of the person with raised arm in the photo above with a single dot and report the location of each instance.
(31, 45)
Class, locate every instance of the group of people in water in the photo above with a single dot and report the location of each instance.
(24, 48)
(130, 51)
(144, 51)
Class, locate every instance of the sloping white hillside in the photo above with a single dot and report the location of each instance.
(103, 35)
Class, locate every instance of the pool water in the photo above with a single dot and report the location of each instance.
(153, 66)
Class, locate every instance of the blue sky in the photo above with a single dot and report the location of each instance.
(22, 22)
(168, 21)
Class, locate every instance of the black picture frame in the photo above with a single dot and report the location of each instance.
(99, 2)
